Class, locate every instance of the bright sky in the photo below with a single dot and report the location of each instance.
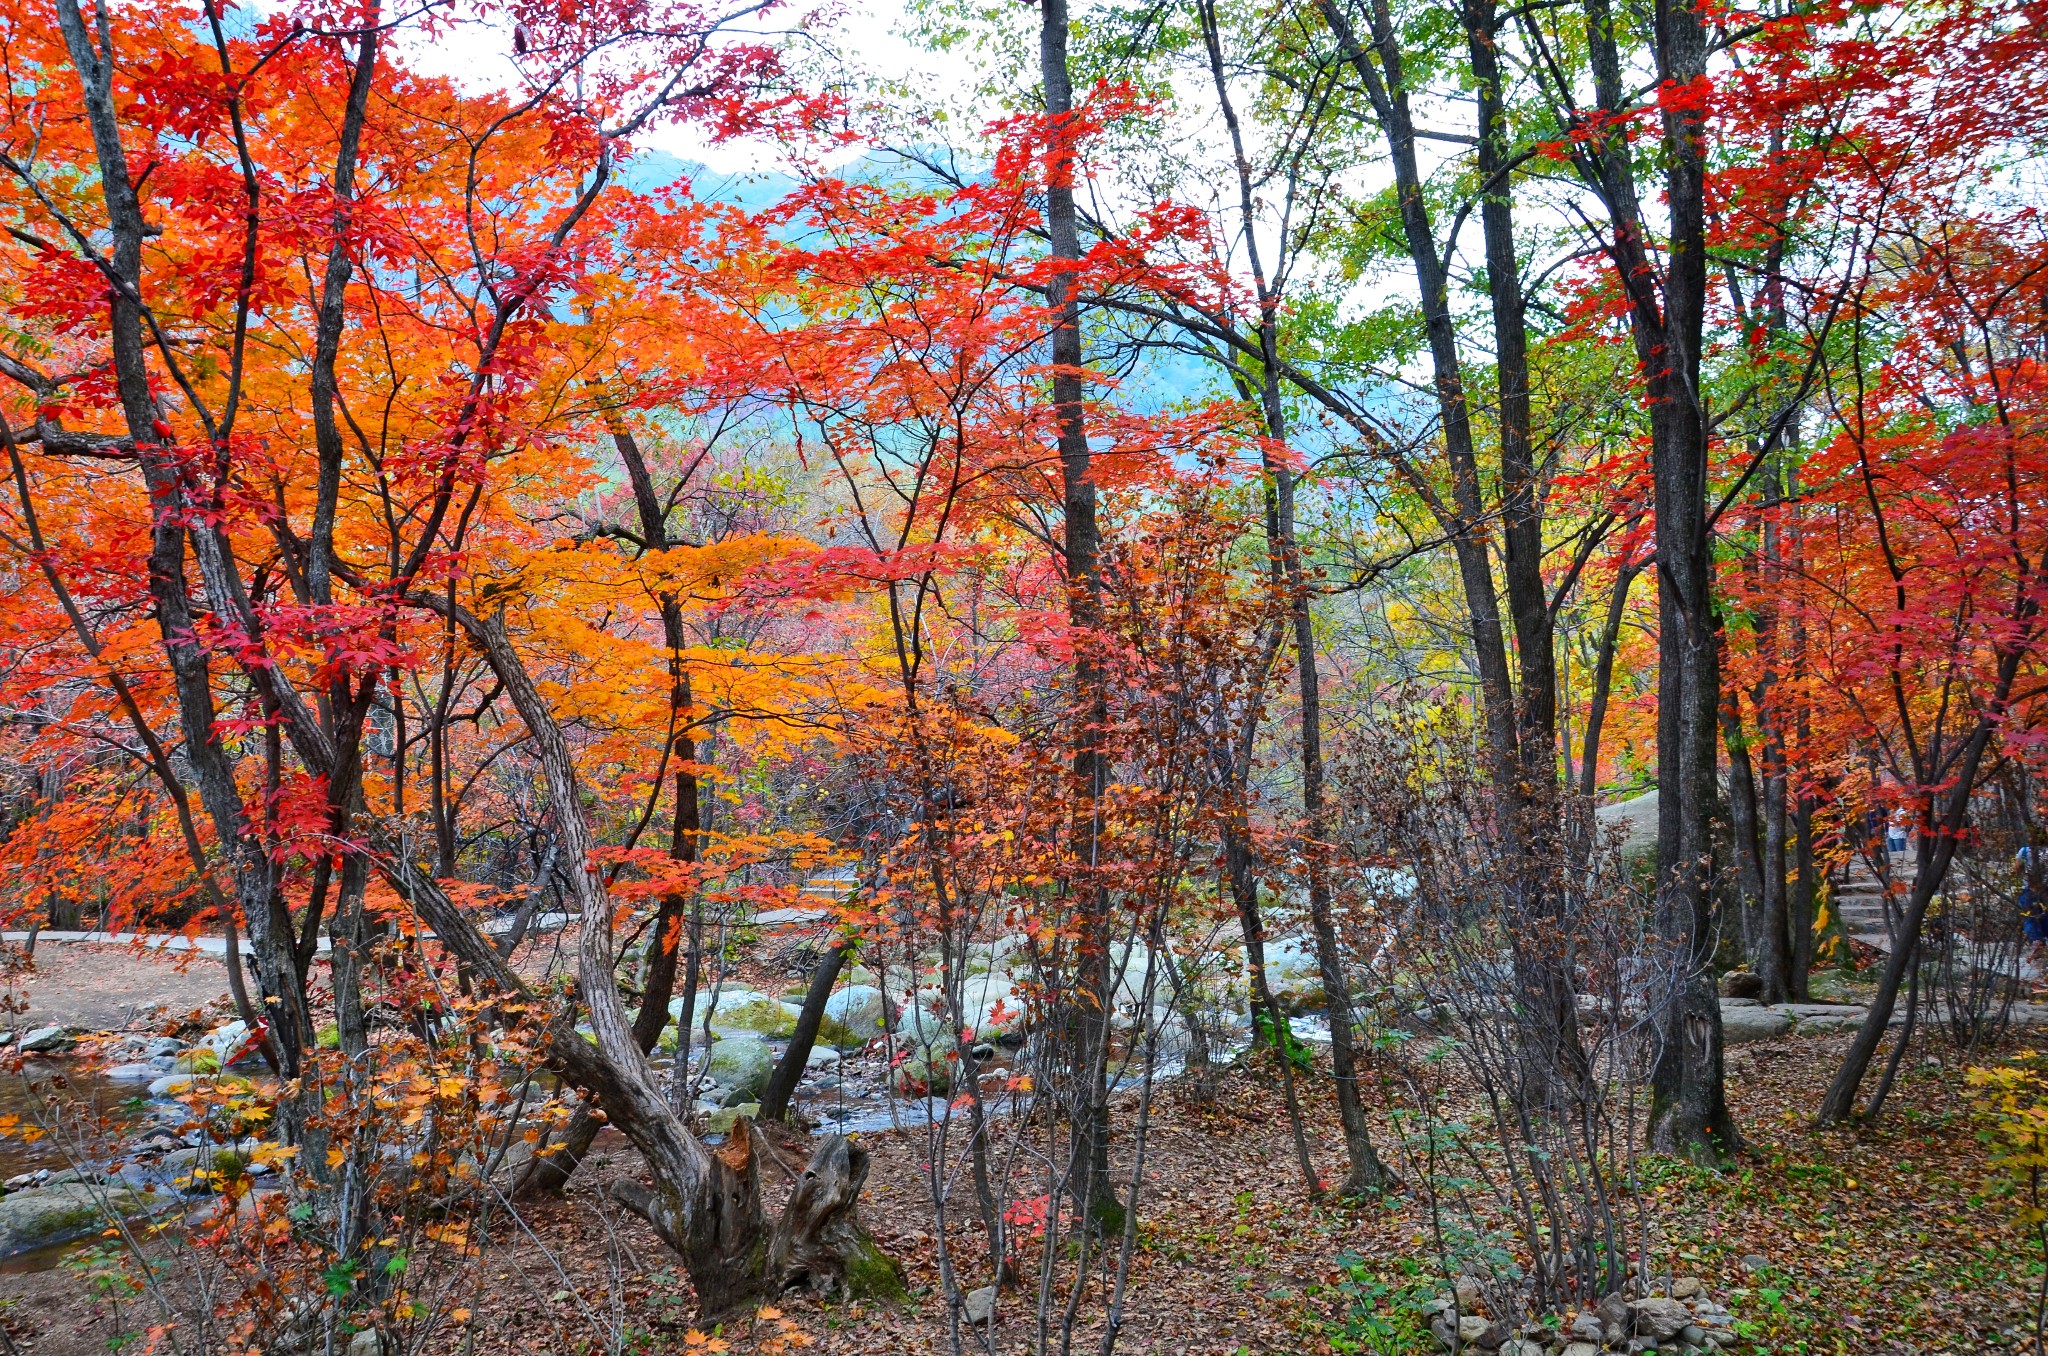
(867, 33)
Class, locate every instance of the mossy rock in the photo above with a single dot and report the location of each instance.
(836, 1034)
(741, 1066)
(872, 1274)
(42, 1216)
(1829, 986)
(855, 1015)
(328, 1037)
(762, 1017)
(721, 1121)
(927, 1071)
(204, 1169)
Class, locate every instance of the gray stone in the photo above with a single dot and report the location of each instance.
(1588, 1328)
(1820, 1019)
(130, 1073)
(1483, 1333)
(1693, 1335)
(44, 1039)
(1754, 1262)
(1741, 1025)
(1742, 984)
(821, 1057)
(740, 1066)
(998, 1013)
(978, 1307)
(1581, 1349)
(366, 1343)
(1659, 1318)
(1294, 974)
(225, 1041)
(1615, 1317)
(1630, 826)
(924, 1026)
(41, 1216)
(163, 1045)
(1685, 1287)
(857, 1013)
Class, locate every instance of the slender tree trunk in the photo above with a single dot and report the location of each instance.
(1290, 577)
(1089, 1180)
(1936, 846)
(790, 1068)
(271, 938)
(1366, 1172)
(1802, 909)
(1244, 892)
(1742, 831)
(1520, 726)
(1603, 679)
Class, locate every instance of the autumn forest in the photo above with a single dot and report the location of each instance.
(1215, 676)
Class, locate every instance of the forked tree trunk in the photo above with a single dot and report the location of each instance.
(1667, 293)
(706, 1206)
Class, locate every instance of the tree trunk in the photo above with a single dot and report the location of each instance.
(706, 1206)
(1290, 576)
(1667, 305)
(1520, 722)
(782, 1082)
(1089, 1025)
(1742, 831)
(1603, 679)
(1244, 892)
(1937, 846)
(1801, 910)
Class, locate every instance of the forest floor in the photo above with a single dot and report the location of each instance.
(1894, 1239)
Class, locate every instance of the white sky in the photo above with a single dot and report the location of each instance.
(868, 34)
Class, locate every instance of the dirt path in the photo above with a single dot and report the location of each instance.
(110, 987)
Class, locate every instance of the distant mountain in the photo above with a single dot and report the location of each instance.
(650, 170)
